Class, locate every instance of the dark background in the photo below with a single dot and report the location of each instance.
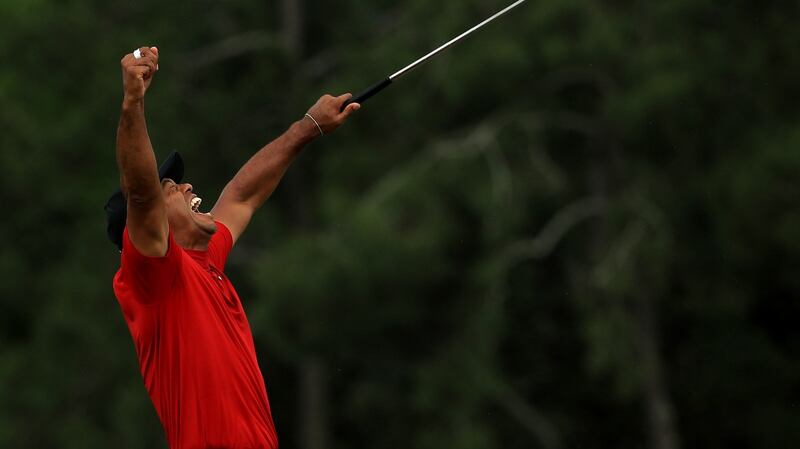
(579, 228)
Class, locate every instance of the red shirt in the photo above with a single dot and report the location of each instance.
(195, 347)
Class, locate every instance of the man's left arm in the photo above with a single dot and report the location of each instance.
(259, 177)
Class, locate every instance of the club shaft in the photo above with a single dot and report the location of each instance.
(367, 94)
(453, 41)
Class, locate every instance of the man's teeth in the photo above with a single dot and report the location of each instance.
(195, 203)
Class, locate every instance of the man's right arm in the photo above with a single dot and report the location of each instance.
(147, 223)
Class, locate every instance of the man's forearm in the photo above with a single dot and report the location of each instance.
(259, 177)
(137, 163)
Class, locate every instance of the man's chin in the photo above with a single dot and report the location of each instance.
(206, 222)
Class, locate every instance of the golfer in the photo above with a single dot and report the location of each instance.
(191, 335)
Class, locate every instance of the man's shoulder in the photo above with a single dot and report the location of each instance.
(146, 279)
(131, 256)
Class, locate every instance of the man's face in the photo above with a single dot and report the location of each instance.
(183, 212)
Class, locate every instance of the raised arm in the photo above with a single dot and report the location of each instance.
(259, 177)
(147, 223)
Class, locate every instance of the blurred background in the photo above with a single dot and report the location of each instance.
(579, 228)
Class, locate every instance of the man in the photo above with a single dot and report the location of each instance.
(192, 338)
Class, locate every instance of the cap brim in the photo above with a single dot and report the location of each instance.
(172, 168)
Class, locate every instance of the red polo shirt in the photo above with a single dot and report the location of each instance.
(195, 347)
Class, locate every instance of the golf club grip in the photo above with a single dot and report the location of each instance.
(364, 96)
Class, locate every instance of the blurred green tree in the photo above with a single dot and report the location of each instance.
(579, 228)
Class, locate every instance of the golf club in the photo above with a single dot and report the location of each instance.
(364, 96)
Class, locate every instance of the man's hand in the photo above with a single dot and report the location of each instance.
(326, 112)
(137, 74)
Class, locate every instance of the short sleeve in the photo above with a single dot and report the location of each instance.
(150, 277)
(220, 246)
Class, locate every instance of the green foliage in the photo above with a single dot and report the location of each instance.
(585, 212)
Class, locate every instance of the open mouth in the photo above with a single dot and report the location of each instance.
(195, 204)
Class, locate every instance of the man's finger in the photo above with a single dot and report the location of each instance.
(352, 107)
(143, 53)
(146, 52)
(146, 60)
(147, 63)
(140, 71)
(339, 101)
(138, 53)
(155, 52)
(342, 98)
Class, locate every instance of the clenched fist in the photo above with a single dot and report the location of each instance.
(137, 73)
(326, 112)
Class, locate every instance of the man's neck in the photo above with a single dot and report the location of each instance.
(195, 241)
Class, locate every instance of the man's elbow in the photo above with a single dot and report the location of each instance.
(236, 192)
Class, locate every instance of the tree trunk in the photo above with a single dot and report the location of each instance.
(659, 408)
(313, 405)
(292, 30)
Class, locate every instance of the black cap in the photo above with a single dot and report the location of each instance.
(117, 207)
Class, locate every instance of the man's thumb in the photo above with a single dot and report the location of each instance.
(352, 107)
